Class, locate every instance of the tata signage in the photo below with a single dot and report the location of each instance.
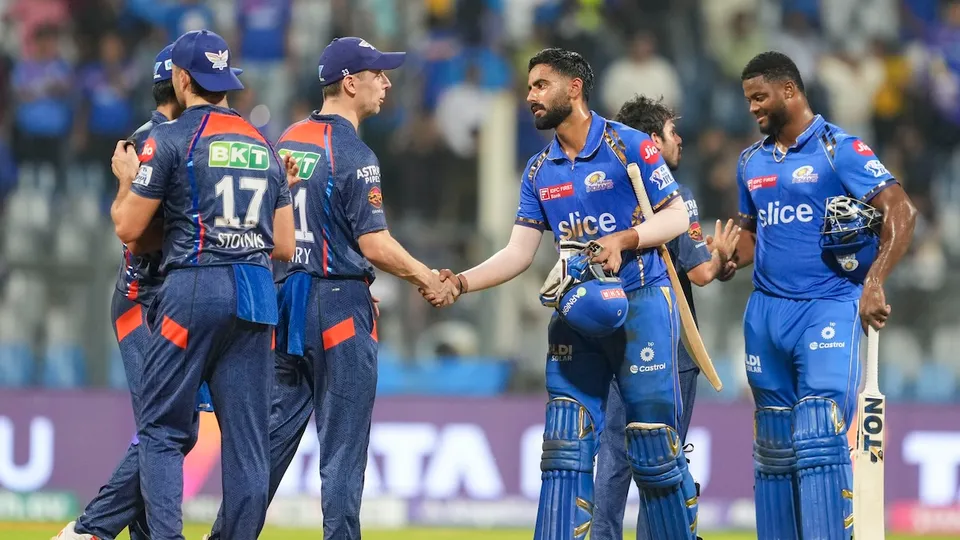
(457, 461)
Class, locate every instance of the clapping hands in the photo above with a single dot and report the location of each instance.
(443, 290)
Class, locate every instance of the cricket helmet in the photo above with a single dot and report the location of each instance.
(850, 236)
(595, 304)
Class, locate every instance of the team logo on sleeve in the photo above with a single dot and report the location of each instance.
(695, 231)
(597, 181)
(804, 175)
(861, 148)
(662, 176)
(143, 175)
(876, 168)
(148, 150)
(649, 152)
(375, 197)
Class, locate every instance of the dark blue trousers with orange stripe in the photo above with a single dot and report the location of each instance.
(119, 504)
(326, 362)
(197, 334)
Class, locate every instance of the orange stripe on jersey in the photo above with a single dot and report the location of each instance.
(171, 330)
(373, 333)
(228, 124)
(338, 333)
(134, 289)
(273, 339)
(306, 132)
(128, 322)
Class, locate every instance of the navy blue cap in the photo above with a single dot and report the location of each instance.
(350, 55)
(163, 66)
(206, 57)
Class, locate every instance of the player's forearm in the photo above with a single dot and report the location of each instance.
(702, 274)
(899, 220)
(664, 225)
(384, 252)
(506, 264)
(151, 240)
(746, 246)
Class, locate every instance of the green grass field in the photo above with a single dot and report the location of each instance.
(44, 531)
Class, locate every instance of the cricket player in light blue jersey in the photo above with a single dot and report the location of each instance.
(578, 188)
(824, 224)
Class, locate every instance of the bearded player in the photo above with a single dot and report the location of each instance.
(699, 261)
(579, 188)
(805, 318)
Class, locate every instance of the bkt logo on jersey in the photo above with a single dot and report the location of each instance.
(307, 161)
(577, 227)
(774, 214)
(239, 155)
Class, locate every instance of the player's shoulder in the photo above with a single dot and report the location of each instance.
(751, 150)
(305, 132)
(626, 132)
(534, 164)
(685, 192)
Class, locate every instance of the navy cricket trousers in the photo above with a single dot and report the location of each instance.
(197, 335)
(326, 361)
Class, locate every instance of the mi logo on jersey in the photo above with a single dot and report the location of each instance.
(307, 161)
(239, 155)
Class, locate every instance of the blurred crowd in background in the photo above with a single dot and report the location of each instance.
(75, 77)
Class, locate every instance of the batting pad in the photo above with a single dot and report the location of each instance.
(775, 474)
(566, 492)
(668, 495)
(824, 470)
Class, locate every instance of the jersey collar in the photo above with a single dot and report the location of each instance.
(803, 137)
(331, 119)
(594, 138)
(158, 118)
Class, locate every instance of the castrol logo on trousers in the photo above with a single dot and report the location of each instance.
(775, 214)
(576, 226)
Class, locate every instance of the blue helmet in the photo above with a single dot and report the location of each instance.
(595, 304)
(850, 236)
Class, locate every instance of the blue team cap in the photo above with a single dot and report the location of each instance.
(350, 55)
(206, 57)
(163, 66)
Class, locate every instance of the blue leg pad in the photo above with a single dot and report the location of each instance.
(824, 470)
(566, 492)
(775, 475)
(668, 495)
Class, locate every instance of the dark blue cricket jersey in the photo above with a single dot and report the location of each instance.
(220, 181)
(139, 276)
(688, 252)
(592, 196)
(786, 198)
(338, 201)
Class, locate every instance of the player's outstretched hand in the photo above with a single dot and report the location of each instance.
(125, 162)
(724, 241)
(874, 309)
(292, 168)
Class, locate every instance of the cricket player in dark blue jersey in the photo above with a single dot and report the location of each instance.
(805, 318)
(327, 336)
(578, 187)
(701, 259)
(226, 211)
(119, 503)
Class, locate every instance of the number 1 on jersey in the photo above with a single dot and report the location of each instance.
(301, 231)
(252, 217)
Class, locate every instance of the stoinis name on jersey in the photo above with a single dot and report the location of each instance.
(238, 155)
(775, 214)
(369, 174)
(307, 161)
(556, 192)
(760, 182)
(575, 226)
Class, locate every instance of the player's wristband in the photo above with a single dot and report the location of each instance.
(463, 283)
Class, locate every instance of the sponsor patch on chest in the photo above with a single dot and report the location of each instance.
(761, 182)
(556, 192)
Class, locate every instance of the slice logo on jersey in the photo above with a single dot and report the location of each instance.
(239, 155)
(828, 333)
(753, 363)
(561, 353)
(649, 152)
(575, 227)
(760, 182)
(144, 174)
(611, 294)
(556, 192)
(375, 197)
(774, 214)
(804, 175)
(861, 148)
(695, 232)
(218, 59)
(876, 168)
(307, 161)
(597, 181)
(662, 176)
(148, 150)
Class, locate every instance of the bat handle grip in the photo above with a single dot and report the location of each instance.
(873, 353)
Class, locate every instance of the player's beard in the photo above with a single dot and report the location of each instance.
(776, 119)
(553, 116)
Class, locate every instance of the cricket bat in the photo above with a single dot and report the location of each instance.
(688, 328)
(868, 512)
